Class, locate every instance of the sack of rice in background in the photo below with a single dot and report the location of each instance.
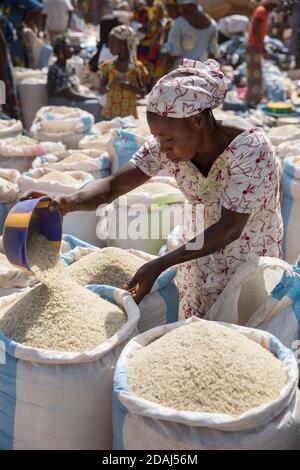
(91, 161)
(81, 224)
(19, 152)
(63, 124)
(10, 128)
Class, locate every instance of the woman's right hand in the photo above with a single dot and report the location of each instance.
(58, 201)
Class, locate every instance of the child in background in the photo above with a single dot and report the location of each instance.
(124, 78)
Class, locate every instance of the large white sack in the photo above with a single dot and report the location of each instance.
(10, 128)
(60, 401)
(96, 141)
(23, 146)
(98, 163)
(290, 196)
(279, 135)
(140, 424)
(31, 181)
(288, 149)
(81, 224)
(60, 123)
(33, 95)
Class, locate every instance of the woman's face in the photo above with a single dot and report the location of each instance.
(116, 46)
(179, 138)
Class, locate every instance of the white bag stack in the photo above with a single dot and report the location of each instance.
(94, 162)
(10, 128)
(282, 134)
(8, 193)
(19, 152)
(80, 224)
(62, 124)
(288, 149)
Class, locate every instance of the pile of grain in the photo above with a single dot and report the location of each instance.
(44, 259)
(206, 367)
(76, 157)
(155, 188)
(110, 266)
(59, 177)
(59, 315)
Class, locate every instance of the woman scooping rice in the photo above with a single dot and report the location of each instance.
(232, 173)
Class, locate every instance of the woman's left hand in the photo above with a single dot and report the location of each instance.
(142, 283)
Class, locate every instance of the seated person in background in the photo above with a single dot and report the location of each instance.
(124, 78)
(64, 86)
(57, 15)
(194, 35)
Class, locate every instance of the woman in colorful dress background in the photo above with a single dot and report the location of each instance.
(256, 51)
(124, 78)
(150, 14)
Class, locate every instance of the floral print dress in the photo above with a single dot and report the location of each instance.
(121, 102)
(243, 179)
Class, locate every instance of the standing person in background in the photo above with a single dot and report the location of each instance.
(57, 16)
(256, 51)
(103, 53)
(173, 13)
(295, 23)
(18, 12)
(194, 35)
(124, 78)
(11, 107)
(150, 14)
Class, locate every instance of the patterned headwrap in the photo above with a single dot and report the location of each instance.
(126, 33)
(189, 90)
